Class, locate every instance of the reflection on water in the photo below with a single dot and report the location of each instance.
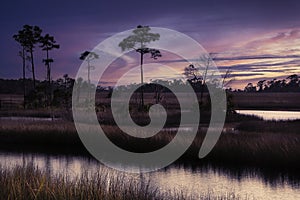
(30, 118)
(194, 181)
(248, 185)
(272, 115)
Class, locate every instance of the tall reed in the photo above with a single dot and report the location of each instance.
(29, 182)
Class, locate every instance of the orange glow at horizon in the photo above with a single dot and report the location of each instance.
(263, 56)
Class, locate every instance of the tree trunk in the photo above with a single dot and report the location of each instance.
(32, 68)
(204, 81)
(89, 81)
(201, 93)
(49, 95)
(142, 82)
(48, 67)
(24, 76)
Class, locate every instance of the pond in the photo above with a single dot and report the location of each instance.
(272, 115)
(248, 184)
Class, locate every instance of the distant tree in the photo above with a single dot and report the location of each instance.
(278, 86)
(197, 75)
(29, 37)
(260, 85)
(158, 89)
(290, 84)
(141, 36)
(227, 78)
(47, 44)
(62, 93)
(250, 88)
(293, 83)
(205, 63)
(270, 86)
(294, 78)
(192, 74)
(88, 56)
(21, 39)
(78, 85)
(283, 84)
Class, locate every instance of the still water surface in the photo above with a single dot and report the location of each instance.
(272, 115)
(193, 181)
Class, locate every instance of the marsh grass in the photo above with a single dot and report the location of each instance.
(286, 126)
(261, 149)
(42, 112)
(29, 182)
(256, 148)
(266, 100)
(266, 149)
(42, 136)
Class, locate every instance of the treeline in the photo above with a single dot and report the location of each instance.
(38, 97)
(13, 86)
(29, 38)
(46, 93)
(178, 84)
(289, 84)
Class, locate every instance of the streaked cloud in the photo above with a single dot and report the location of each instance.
(254, 39)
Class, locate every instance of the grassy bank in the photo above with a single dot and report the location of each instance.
(44, 136)
(265, 149)
(259, 147)
(266, 101)
(29, 182)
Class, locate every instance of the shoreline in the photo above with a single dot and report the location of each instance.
(257, 142)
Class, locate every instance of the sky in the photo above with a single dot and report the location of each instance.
(254, 39)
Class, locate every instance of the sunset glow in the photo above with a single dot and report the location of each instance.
(254, 40)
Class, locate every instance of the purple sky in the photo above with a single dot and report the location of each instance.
(254, 39)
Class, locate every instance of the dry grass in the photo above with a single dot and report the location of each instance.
(272, 101)
(29, 182)
(257, 148)
(274, 150)
(40, 136)
(290, 126)
(42, 112)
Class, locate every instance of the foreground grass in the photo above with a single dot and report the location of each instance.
(29, 182)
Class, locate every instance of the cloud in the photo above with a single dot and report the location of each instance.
(281, 37)
(263, 64)
(254, 57)
(294, 34)
(268, 70)
(246, 75)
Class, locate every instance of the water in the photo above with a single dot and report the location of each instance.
(30, 118)
(272, 115)
(246, 183)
